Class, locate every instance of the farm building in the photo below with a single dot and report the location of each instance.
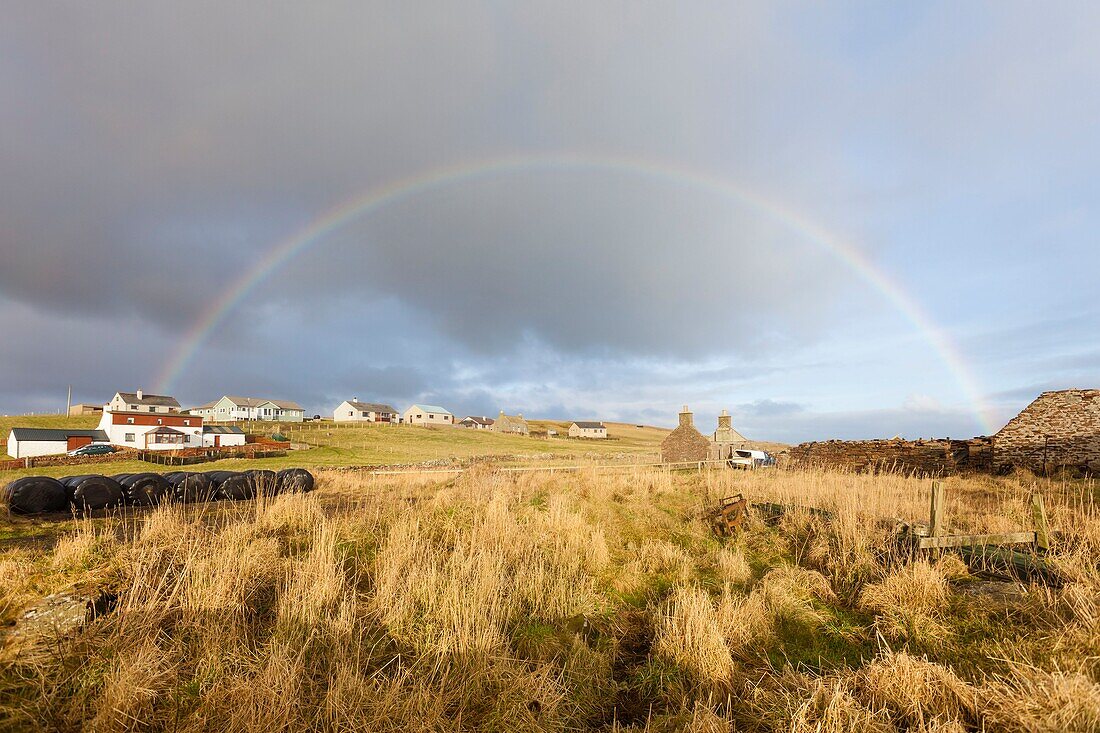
(474, 422)
(30, 442)
(220, 436)
(583, 429)
(141, 402)
(428, 415)
(511, 424)
(355, 411)
(685, 443)
(135, 429)
(231, 408)
(83, 408)
(1057, 430)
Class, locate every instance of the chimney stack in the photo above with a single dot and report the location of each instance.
(724, 420)
(686, 418)
(140, 394)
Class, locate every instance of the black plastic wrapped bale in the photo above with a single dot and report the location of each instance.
(35, 495)
(88, 493)
(188, 487)
(233, 485)
(265, 482)
(295, 480)
(145, 489)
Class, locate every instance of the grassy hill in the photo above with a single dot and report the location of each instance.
(333, 444)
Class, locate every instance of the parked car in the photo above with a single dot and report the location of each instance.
(93, 449)
(746, 458)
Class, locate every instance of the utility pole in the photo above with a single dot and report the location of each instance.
(69, 401)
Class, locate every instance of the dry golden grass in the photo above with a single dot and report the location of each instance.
(539, 602)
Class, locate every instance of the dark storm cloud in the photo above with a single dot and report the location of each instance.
(151, 154)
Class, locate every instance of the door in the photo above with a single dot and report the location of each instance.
(217, 441)
(76, 441)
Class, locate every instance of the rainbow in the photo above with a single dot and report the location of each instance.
(404, 188)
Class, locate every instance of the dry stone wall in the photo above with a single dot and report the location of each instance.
(923, 457)
(1058, 430)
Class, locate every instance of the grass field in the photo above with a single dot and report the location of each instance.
(337, 445)
(557, 602)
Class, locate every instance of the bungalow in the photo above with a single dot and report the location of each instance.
(355, 411)
(230, 408)
(474, 422)
(136, 429)
(141, 402)
(582, 429)
(219, 436)
(428, 415)
(30, 442)
(514, 425)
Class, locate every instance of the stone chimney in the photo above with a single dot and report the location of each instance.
(686, 419)
(724, 420)
(140, 394)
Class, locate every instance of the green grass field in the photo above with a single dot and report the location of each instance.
(335, 445)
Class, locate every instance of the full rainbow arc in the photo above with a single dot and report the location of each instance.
(394, 191)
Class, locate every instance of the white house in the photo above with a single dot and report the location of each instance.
(428, 415)
(219, 436)
(156, 431)
(582, 429)
(30, 442)
(141, 402)
(355, 411)
(474, 422)
(230, 408)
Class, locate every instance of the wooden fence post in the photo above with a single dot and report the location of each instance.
(935, 515)
(1042, 530)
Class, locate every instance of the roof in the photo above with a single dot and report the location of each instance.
(222, 429)
(52, 434)
(372, 407)
(149, 399)
(589, 425)
(479, 420)
(161, 415)
(165, 430)
(257, 401)
(430, 408)
(206, 406)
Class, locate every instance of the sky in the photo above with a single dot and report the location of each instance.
(836, 220)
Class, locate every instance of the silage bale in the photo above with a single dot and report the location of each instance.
(189, 487)
(144, 489)
(265, 482)
(295, 480)
(91, 492)
(35, 495)
(233, 485)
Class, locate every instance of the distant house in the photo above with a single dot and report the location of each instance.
(30, 442)
(511, 424)
(581, 429)
(156, 431)
(141, 402)
(85, 409)
(474, 422)
(428, 415)
(219, 436)
(232, 408)
(355, 411)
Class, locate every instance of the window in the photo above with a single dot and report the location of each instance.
(160, 421)
(129, 438)
(152, 408)
(186, 422)
(351, 413)
(129, 421)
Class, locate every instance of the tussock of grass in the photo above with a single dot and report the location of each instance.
(909, 603)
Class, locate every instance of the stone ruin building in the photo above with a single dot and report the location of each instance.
(686, 443)
(1057, 430)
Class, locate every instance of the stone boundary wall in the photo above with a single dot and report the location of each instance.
(922, 457)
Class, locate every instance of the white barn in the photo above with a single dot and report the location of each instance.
(355, 411)
(428, 415)
(30, 442)
(221, 436)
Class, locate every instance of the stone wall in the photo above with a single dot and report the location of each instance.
(685, 443)
(1058, 430)
(923, 457)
